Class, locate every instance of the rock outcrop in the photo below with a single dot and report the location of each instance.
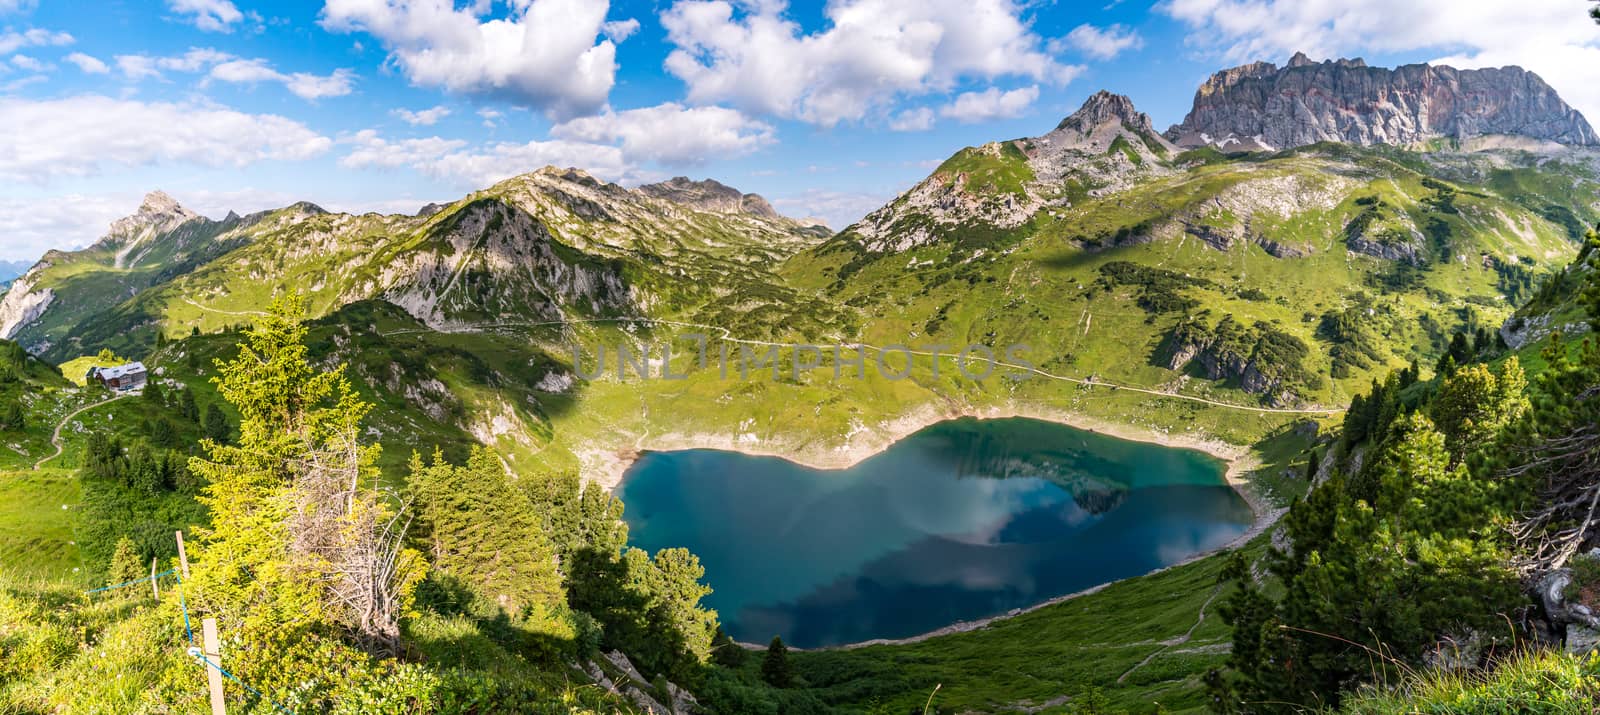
(709, 195)
(132, 236)
(22, 305)
(1262, 107)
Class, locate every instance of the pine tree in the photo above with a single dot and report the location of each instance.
(486, 531)
(725, 651)
(300, 538)
(12, 416)
(154, 395)
(775, 668)
(1474, 404)
(216, 425)
(126, 563)
(187, 406)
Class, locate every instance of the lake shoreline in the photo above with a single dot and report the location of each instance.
(609, 468)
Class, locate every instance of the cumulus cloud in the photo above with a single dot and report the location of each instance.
(224, 67)
(453, 160)
(302, 84)
(422, 117)
(1552, 38)
(311, 86)
(872, 51)
(80, 136)
(29, 63)
(13, 40)
(544, 54)
(208, 15)
(244, 71)
(671, 133)
(144, 66)
(990, 104)
(620, 30)
(1101, 44)
(912, 120)
(89, 65)
(32, 225)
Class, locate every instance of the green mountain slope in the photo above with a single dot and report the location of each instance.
(1126, 258)
(546, 246)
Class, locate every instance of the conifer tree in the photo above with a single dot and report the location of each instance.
(216, 425)
(300, 536)
(126, 563)
(487, 532)
(775, 668)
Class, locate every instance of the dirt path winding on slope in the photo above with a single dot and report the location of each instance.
(55, 439)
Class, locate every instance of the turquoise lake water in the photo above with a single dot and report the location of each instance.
(964, 519)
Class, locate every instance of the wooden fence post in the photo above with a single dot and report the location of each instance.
(183, 558)
(213, 653)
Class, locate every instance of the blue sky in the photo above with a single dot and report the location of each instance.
(828, 109)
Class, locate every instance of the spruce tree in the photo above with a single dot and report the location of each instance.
(775, 668)
(126, 563)
(484, 530)
(216, 425)
(300, 539)
(12, 417)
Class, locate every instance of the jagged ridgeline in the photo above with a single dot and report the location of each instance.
(547, 246)
(1304, 228)
(1322, 219)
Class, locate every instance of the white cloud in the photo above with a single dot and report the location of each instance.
(990, 104)
(544, 54)
(872, 52)
(671, 133)
(1553, 38)
(453, 160)
(838, 208)
(34, 225)
(1101, 44)
(224, 67)
(79, 136)
(620, 30)
(10, 6)
(912, 120)
(423, 117)
(144, 66)
(208, 15)
(28, 63)
(11, 40)
(310, 86)
(89, 65)
(245, 71)
(491, 117)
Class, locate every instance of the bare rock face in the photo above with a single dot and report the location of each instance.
(1261, 107)
(709, 195)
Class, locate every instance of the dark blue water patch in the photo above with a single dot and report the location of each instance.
(963, 520)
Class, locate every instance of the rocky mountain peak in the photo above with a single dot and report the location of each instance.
(1102, 108)
(709, 195)
(157, 212)
(1261, 107)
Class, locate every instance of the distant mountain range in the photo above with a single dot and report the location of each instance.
(1262, 107)
(1287, 197)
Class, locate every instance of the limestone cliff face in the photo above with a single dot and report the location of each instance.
(709, 195)
(1260, 106)
(22, 305)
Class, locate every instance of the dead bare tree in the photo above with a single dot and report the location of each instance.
(351, 536)
(1567, 469)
